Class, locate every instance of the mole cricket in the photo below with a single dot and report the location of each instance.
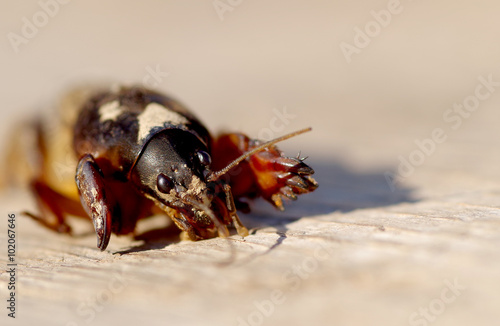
(135, 152)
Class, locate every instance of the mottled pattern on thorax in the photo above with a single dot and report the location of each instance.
(114, 126)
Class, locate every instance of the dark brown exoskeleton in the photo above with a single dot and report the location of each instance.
(138, 149)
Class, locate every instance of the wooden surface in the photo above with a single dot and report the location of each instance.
(358, 251)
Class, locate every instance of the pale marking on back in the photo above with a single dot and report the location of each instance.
(156, 115)
(110, 111)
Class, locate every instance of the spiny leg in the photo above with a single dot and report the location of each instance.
(53, 203)
(53, 206)
(231, 207)
(267, 173)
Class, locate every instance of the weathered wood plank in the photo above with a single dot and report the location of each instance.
(355, 252)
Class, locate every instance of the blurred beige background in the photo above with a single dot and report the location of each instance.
(266, 55)
(237, 63)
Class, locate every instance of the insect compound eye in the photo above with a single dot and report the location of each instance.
(204, 157)
(164, 183)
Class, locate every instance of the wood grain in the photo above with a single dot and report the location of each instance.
(356, 251)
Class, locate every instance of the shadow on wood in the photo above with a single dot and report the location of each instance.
(340, 189)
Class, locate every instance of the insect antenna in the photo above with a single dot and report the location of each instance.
(216, 175)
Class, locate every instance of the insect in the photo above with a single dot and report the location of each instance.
(137, 152)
